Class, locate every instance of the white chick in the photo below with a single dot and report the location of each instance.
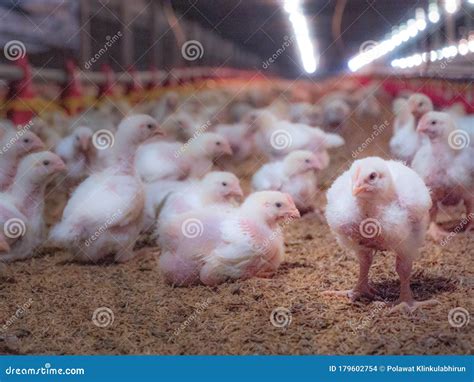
(419, 104)
(276, 139)
(105, 213)
(295, 175)
(22, 205)
(380, 205)
(174, 160)
(217, 189)
(77, 152)
(213, 245)
(405, 140)
(446, 163)
(336, 112)
(14, 145)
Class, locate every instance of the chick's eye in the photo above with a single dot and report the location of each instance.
(224, 184)
(218, 143)
(433, 122)
(278, 205)
(372, 176)
(150, 126)
(26, 140)
(46, 162)
(306, 160)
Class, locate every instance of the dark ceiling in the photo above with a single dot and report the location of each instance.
(261, 25)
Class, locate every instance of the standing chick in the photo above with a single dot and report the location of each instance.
(295, 175)
(13, 147)
(380, 205)
(446, 164)
(105, 212)
(212, 245)
(21, 206)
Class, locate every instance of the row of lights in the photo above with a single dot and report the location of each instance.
(302, 35)
(463, 48)
(403, 33)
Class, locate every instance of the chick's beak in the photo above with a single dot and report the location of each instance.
(236, 191)
(84, 143)
(226, 149)
(59, 165)
(38, 144)
(358, 189)
(293, 213)
(159, 132)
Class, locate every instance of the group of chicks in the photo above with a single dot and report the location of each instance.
(155, 174)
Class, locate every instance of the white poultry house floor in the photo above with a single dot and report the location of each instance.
(47, 303)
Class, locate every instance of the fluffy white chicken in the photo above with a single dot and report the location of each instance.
(295, 175)
(105, 213)
(22, 204)
(241, 136)
(405, 140)
(446, 163)
(419, 104)
(336, 112)
(14, 145)
(380, 205)
(276, 138)
(174, 160)
(216, 188)
(77, 152)
(214, 245)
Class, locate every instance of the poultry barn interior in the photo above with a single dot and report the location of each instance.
(236, 177)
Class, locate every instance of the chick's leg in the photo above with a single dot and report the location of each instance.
(362, 288)
(404, 265)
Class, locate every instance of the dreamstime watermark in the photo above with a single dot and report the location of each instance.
(459, 139)
(270, 60)
(458, 317)
(103, 227)
(281, 139)
(103, 317)
(192, 228)
(370, 228)
(108, 44)
(277, 233)
(199, 131)
(14, 50)
(377, 130)
(103, 139)
(199, 309)
(192, 50)
(18, 134)
(19, 313)
(459, 228)
(14, 228)
(367, 46)
(281, 317)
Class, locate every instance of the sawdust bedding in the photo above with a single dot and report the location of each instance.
(50, 304)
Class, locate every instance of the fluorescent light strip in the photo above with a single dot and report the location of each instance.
(403, 33)
(301, 32)
(463, 48)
